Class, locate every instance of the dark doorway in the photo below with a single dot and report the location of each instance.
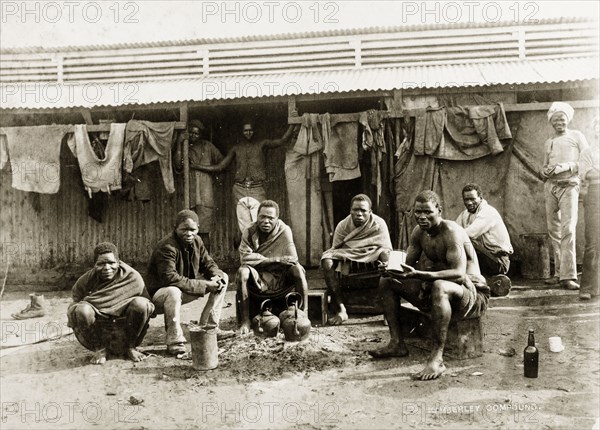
(343, 191)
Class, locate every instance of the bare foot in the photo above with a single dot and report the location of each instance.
(245, 328)
(338, 318)
(99, 357)
(135, 355)
(433, 369)
(391, 350)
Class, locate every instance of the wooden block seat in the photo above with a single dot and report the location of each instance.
(465, 335)
(317, 307)
(360, 289)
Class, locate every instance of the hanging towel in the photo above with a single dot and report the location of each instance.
(99, 174)
(146, 142)
(340, 149)
(35, 156)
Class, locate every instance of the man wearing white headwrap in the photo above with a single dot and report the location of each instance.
(561, 107)
(561, 191)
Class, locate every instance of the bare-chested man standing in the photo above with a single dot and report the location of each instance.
(452, 286)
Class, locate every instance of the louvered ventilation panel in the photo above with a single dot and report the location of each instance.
(27, 68)
(133, 64)
(294, 55)
(440, 46)
(558, 41)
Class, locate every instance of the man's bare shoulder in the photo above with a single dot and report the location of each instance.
(416, 232)
(453, 228)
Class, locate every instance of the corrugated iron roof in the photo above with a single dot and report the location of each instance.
(288, 36)
(55, 96)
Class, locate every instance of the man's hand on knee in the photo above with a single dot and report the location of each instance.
(222, 281)
(290, 261)
(213, 286)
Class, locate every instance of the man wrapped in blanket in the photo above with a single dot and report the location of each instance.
(270, 267)
(361, 237)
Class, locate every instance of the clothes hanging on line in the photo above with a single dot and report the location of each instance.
(340, 149)
(34, 154)
(146, 142)
(461, 132)
(99, 174)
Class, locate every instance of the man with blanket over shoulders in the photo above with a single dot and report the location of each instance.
(112, 289)
(269, 260)
(361, 237)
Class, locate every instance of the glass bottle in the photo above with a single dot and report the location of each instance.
(530, 357)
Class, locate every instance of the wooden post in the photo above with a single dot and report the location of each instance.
(183, 117)
(291, 106)
(87, 116)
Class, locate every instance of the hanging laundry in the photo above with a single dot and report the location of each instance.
(141, 184)
(303, 180)
(34, 154)
(373, 141)
(99, 174)
(302, 168)
(309, 138)
(3, 151)
(429, 130)
(146, 142)
(385, 208)
(461, 132)
(340, 149)
(472, 125)
(97, 206)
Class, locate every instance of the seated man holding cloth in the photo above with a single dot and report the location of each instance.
(269, 262)
(361, 237)
(181, 271)
(489, 236)
(112, 289)
(453, 286)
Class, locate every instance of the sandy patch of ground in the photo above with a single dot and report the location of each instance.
(328, 381)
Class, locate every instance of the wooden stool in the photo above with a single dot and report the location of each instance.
(317, 307)
(360, 289)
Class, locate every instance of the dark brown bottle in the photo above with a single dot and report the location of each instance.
(530, 357)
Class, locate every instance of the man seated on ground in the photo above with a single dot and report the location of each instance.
(181, 271)
(489, 237)
(453, 287)
(112, 289)
(269, 262)
(361, 237)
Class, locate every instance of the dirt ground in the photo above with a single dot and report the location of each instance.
(328, 381)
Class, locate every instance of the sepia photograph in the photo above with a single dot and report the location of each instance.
(299, 214)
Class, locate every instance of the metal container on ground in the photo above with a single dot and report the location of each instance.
(205, 351)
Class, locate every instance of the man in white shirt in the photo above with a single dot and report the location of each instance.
(489, 236)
